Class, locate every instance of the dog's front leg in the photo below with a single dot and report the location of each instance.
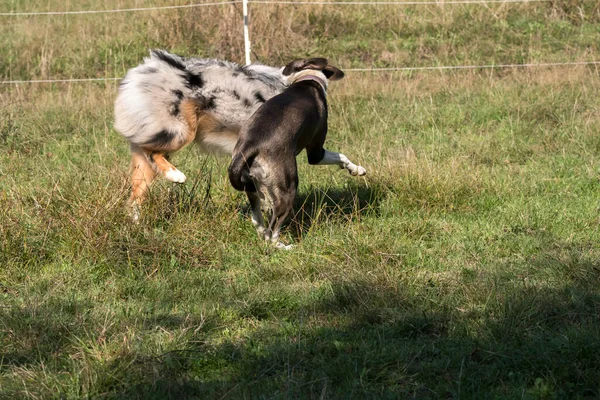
(257, 217)
(333, 158)
(282, 207)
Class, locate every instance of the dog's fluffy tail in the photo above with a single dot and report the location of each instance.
(239, 171)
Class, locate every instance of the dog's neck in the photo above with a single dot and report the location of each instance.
(309, 75)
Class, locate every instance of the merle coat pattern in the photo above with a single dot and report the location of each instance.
(169, 101)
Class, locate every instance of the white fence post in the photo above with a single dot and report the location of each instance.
(246, 35)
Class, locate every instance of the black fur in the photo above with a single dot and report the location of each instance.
(282, 127)
(193, 81)
(175, 105)
(210, 103)
(315, 156)
(238, 172)
(161, 139)
(259, 97)
(169, 59)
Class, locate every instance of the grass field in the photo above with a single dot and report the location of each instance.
(466, 265)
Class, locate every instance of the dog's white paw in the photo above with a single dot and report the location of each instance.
(275, 242)
(283, 246)
(134, 213)
(356, 170)
(175, 175)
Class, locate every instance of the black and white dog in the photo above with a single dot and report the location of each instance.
(169, 101)
(264, 158)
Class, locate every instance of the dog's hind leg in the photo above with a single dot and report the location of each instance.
(333, 158)
(167, 142)
(141, 174)
(167, 169)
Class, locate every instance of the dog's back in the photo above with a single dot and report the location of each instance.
(147, 108)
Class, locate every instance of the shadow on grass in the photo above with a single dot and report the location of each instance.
(167, 200)
(337, 204)
(35, 333)
(316, 205)
(38, 333)
(361, 337)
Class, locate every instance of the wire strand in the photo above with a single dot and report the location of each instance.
(450, 67)
(118, 10)
(399, 69)
(17, 82)
(396, 3)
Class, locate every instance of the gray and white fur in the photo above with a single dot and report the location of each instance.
(169, 101)
(147, 106)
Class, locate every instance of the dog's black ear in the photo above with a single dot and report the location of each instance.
(294, 66)
(300, 64)
(332, 73)
(316, 63)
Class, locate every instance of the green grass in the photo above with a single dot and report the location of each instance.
(465, 265)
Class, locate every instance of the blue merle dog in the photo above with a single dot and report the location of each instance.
(169, 101)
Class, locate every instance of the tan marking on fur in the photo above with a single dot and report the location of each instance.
(142, 175)
(201, 126)
(212, 137)
(143, 171)
(162, 164)
(206, 123)
(189, 109)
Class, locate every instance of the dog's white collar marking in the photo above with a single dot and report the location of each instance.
(309, 75)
